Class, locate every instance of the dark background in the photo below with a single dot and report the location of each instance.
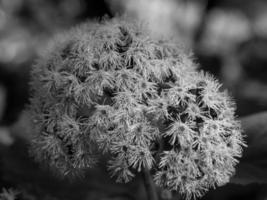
(228, 38)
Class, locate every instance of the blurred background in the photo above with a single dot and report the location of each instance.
(228, 38)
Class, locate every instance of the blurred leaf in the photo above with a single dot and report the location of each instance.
(225, 29)
(5, 137)
(253, 165)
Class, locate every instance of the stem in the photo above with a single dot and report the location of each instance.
(149, 185)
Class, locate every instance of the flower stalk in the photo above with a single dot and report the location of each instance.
(149, 184)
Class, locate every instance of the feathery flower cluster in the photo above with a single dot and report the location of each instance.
(111, 87)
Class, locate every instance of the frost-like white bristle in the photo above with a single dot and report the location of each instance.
(110, 87)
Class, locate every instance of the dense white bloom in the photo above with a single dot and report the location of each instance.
(111, 88)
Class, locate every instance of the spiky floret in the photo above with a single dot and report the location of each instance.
(202, 139)
(111, 87)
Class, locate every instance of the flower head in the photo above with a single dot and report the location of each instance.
(112, 87)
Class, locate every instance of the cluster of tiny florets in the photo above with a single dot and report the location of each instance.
(111, 88)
